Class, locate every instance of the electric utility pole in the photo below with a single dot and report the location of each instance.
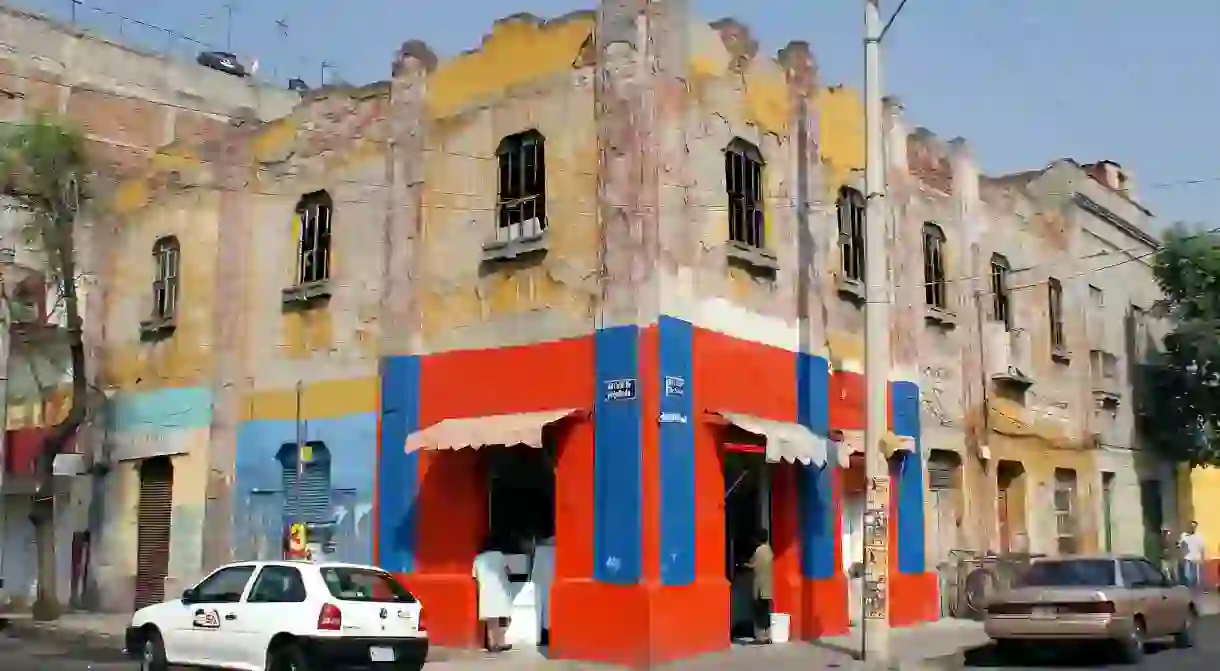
(874, 625)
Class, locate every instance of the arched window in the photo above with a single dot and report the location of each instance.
(935, 289)
(521, 199)
(1001, 310)
(743, 180)
(309, 484)
(166, 265)
(314, 212)
(850, 209)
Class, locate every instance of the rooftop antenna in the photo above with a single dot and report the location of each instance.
(74, 4)
(281, 26)
(230, 7)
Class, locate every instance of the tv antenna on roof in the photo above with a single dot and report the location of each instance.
(230, 7)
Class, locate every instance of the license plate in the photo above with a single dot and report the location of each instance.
(1044, 612)
(381, 654)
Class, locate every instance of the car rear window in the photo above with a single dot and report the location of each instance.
(1070, 573)
(362, 584)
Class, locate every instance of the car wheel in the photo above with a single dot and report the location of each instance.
(1131, 646)
(1186, 637)
(152, 653)
(287, 658)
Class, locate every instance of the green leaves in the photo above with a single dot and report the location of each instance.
(1177, 391)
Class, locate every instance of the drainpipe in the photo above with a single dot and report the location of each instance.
(98, 471)
(5, 340)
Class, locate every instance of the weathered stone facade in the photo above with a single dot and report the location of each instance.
(637, 103)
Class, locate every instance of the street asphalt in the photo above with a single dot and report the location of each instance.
(27, 655)
(1206, 655)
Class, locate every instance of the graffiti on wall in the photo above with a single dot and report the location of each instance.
(261, 525)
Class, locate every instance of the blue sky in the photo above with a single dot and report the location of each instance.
(1025, 81)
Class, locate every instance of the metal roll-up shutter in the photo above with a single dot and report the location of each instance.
(153, 536)
(940, 476)
(313, 489)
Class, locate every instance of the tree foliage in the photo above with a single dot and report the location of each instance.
(46, 169)
(1178, 388)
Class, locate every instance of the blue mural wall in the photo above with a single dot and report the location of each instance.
(259, 518)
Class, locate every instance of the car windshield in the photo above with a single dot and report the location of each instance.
(1070, 573)
(362, 584)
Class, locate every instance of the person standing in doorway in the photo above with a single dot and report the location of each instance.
(495, 606)
(1193, 555)
(761, 565)
(1171, 556)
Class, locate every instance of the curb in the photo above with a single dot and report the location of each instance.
(96, 644)
(947, 662)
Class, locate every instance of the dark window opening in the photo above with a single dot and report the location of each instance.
(166, 260)
(934, 282)
(314, 213)
(851, 212)
(743, 174)
(1000, 299)
(521, 201)
(1055, 310)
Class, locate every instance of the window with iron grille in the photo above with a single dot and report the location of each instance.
(935, 288)
(314, 214)
(1065, 510)
(743, 173)
(166, 260)
(850, 210)
(1054, 296)
(521, 200)
(1000, 306)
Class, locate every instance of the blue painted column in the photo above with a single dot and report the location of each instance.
(617, 457)
(398, 473)
(819, 533)
(908, 478)
(677, 451)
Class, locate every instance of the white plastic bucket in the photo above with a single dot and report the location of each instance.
(780, 624)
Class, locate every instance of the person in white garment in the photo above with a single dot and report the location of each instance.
(1193, 554)
(543, 575)
(495, 605)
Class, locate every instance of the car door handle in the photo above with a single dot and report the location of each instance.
(230, 616)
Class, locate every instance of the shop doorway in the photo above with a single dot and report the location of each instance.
(521, 524)
(1010, 507)
(747, 512)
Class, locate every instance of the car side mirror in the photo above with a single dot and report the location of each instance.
(188, 595)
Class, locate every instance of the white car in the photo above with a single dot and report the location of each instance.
(284, 616)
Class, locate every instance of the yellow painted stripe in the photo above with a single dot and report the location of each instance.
(319, 400)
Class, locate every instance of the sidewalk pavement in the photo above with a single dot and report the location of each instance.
(939, 644)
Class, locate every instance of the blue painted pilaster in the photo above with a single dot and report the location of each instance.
(398, 473)
(819, 533)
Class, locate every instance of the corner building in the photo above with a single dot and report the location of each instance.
(639, 285)
(629, 241)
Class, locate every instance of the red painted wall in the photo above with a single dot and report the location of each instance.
(451, 523)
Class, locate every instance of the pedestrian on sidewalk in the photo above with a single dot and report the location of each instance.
(1193, 555)
(761, 564)
(1171, 556)
(495, 606)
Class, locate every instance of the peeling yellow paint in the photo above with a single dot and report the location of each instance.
(185, 359)
(131, 196)
(846, 349)
(306, 332)
(515, 53)
(320, 400)
(766, 99)
(841, 128)
(274, 139)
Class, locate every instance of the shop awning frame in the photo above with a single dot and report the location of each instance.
(521, 428)
(851, 441)
(786, 441)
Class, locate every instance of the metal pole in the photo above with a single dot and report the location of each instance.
(874, 629)
(297, 514)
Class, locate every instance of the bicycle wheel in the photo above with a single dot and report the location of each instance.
(981, 583)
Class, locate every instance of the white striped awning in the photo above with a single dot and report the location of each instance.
(523, 428)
